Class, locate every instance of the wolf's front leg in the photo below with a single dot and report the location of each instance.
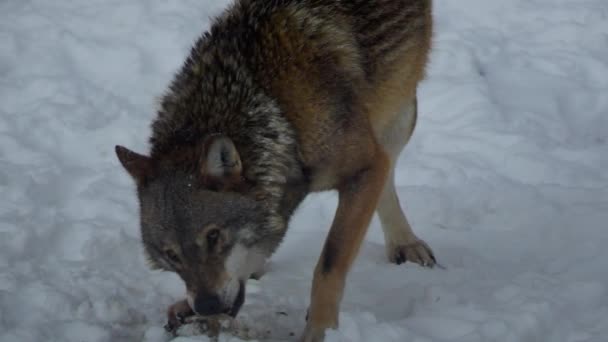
(358, 198)
(176, 315)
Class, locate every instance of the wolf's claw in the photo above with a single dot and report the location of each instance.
(418, 252)
(177, 314)
(181, 317)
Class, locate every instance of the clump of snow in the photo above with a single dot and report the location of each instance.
(505, 178)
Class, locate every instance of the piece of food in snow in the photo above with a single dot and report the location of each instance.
(212, 326)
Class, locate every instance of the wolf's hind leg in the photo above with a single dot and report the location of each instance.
(401, 243)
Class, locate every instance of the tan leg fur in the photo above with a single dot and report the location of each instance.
(357, 201)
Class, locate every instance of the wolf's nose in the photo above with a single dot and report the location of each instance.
(207, 305)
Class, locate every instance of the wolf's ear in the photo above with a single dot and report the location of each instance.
(221, 164)
(136, 164)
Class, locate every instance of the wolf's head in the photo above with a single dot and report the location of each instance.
(198, 224)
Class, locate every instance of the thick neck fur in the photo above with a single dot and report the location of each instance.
(215, 93)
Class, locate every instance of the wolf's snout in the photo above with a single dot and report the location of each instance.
(207, 304)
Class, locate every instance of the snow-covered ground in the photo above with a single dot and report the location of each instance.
(506, 178)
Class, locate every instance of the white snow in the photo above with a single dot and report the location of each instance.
(506, 178)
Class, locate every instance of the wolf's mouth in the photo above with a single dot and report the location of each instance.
(238, 301)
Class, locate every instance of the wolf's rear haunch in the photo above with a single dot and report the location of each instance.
(277, 100)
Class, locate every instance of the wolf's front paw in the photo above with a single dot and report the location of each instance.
(312, 334)
(417, 251)
(177, 314)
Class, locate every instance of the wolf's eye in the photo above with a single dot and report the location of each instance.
(212, 236)
(172, 256)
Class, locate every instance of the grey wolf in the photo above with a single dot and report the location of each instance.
(276, 100)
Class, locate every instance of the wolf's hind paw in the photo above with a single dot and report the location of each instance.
(418, 252)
